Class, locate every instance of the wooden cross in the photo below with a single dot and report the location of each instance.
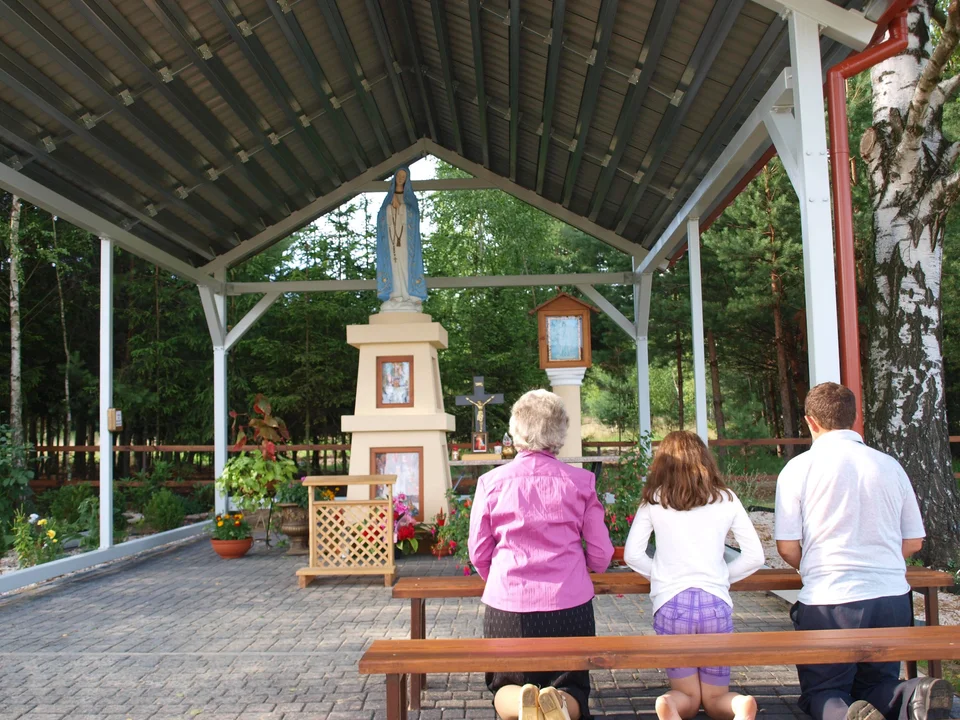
(480, 399)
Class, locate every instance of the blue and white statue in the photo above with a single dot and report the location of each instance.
(400, 282)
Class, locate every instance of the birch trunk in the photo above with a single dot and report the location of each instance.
(913, 184)
(718, 417)
(16, 386)
(66, 358)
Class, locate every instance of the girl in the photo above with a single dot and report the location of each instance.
(690, 509)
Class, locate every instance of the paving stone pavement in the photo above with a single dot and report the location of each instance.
(184, 634)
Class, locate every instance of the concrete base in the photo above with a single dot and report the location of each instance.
(566, 383)
(418, 429)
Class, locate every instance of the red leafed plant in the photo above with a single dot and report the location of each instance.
(262, 427)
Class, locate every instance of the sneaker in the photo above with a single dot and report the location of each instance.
(932, 700)
(528, 704)
(862, 710)
(552, 705)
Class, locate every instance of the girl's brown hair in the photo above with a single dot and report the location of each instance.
(684, 474)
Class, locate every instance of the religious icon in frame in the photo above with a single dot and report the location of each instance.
(395, 381)
(564, 338)
(480, 442)
(407, 464)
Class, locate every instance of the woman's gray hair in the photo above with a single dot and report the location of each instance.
(539, 421)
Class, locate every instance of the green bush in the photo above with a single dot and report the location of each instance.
(164, 511)
(64, 503)
(89, 521)
(14, 487)
(36, 540)
(200, 501)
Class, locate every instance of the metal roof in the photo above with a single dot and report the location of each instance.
(198, 124)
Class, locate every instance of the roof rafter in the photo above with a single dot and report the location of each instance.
(718, 26)
(125, 39)
(514, 40)
(419, 71)
(178, 25)
(588, 101)
(476, 36)
(653, 41)
(550, 89)
(37, 25)
(252, 49)
(393, 67)
(446, 66)
(355, 72)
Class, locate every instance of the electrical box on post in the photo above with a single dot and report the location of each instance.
(114, 420)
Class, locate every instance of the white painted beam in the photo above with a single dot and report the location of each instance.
(248, 320)
(106, 392)
(696, 315)
(845, 26)
(41, 196)
(437, 184)
(438, 283)
(751, 138)
(784, 130)
(641, 299)
(211, 311)
(318, 207)
(628, 327)
(531, 198)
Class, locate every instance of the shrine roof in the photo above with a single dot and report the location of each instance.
(206, 130)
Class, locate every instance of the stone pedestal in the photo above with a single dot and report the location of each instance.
(566, 383)
(422, 426)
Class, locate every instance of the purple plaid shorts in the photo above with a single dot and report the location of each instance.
(695, 612)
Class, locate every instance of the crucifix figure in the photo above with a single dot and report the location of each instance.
(479, 400)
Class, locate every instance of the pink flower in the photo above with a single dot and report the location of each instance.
(466, 569)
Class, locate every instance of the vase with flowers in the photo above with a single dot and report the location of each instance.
(619, 490)
(405, 526)
(453, 532)
(253, 476)
(232, 537)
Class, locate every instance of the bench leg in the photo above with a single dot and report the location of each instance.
(418, 631)
(912, 664)
(396, 697)
(931, 607)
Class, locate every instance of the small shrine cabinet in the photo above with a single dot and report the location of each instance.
(564, 332)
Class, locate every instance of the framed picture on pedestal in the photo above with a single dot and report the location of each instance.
(395, 381)
(407, 464)
(480, 442)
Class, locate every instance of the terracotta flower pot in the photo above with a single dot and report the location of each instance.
(618, 554)
(232, 549)
(293, 524)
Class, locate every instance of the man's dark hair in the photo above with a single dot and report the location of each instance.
(833, 406)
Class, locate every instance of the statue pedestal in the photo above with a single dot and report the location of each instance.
(566, 383)
(409, 437)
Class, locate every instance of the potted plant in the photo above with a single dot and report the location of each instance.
(404, 526)
(453, 534)
(292, 500)
(232, 537)
(624, 483)
(252, 478)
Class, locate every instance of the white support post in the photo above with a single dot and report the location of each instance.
(816, 221)
(641, 311)
(696, 312)
(106, 392)
(215, 308)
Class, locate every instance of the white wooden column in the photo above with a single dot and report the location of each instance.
(696, 313)
(215, 310)
(641, 310)
(817, 226)
(106, 392)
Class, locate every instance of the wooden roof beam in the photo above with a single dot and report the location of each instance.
(446, 66)
(476, 34)
(550, 89)
(392, 66)
(419, 70)
(514, 52)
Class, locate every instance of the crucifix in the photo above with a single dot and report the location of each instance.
(479, 399)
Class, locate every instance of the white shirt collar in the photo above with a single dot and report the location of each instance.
(837, 435)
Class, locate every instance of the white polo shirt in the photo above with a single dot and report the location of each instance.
(851, 507)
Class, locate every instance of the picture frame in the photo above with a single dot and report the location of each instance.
(564, 338)
(407, 464)
(479, 442)
(395, 381)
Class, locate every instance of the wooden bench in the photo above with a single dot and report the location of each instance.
(419, 589)
(398, 658)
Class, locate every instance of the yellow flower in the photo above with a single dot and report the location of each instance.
(41, 522)
(55, 540)
(220, 524)
(51, 534)
(239, 516)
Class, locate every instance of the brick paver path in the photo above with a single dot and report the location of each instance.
(183, 634)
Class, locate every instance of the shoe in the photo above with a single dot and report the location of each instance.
(552, 705)
(862, 710)
(528, 704)
(931, 700)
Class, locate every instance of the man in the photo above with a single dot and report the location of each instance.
(847, 518)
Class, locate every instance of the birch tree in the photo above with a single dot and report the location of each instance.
(16, 387)
(914, 182)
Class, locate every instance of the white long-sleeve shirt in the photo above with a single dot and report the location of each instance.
(690, 548)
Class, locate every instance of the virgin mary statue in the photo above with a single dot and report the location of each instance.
(400, 282)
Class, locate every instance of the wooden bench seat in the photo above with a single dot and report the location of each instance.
(420, 589)
(397, 658)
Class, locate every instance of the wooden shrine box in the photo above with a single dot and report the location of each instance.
(564, 332)
(351, 537)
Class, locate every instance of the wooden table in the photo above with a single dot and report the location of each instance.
(619, 582)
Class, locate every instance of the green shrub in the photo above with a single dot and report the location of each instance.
(200, 501)
(36, 540)
(64, 503)
(14, 488)
(164, 511)
(89, 521)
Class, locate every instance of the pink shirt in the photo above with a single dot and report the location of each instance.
(526, 525)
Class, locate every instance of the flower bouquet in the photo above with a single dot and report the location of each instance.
(405, 526)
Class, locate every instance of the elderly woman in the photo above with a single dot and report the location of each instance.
(528, 526)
